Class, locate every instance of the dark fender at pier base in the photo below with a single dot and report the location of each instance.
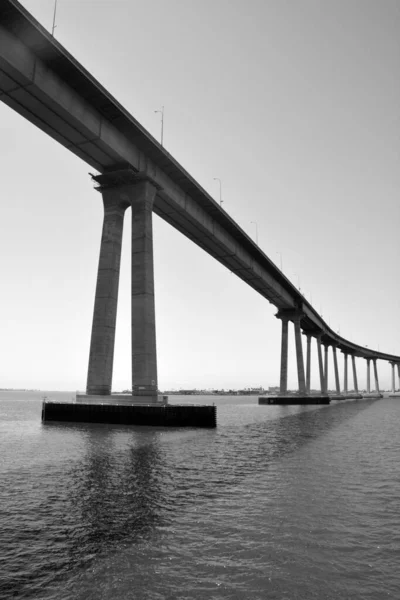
(294, 400)
(139, 414)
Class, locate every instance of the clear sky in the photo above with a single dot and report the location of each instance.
(294, 105)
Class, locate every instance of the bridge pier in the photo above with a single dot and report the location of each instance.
(303, 395)
(326, 382)
(101, 356)
(284, 356)
(345, 375)
(356, 394)
(320, 365)
(355, 382)
(308, 371)
(119, 190)
(299, 355)
(393, 378)
(338, 395)
(144, 354)
(376, 393)
(379, 395)
(395, 394)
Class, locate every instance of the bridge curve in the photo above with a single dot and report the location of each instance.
(40, 80)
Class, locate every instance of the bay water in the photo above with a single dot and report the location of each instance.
(277, 502)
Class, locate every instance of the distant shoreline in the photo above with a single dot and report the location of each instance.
(18, 390)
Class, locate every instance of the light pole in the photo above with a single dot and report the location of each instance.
(220, 189)
(54, 18)
(280, 256)
(162, 123)
(254, 223)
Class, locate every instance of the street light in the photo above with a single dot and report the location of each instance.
(220, 189)
(162, 123)
(280, 255)
(254, 223)
(298, 281)
(54, 18)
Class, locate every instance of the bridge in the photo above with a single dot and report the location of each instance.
(41, 81)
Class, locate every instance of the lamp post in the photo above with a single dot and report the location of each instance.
(220, 189)
(54, 18)
(280, 256)
(254, 223)
(162, 123)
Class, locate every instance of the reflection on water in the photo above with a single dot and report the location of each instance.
(116, 494)
(276, 502)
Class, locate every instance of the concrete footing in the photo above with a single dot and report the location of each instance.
(353, 396)
(337, 397)
(157, 399)
(394, 395)
(373, 395)
(131, 414)
(292, 400)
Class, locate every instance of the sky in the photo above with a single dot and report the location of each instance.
(295, 107)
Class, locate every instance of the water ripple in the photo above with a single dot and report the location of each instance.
(278, 502)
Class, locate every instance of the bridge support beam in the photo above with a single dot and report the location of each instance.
(393, 378)
(144, 355)
(326, 381)
(321, 367)
(101, 356)
(345, 383)
(376, 375)
(284, 356)
(393, 365)
(308, 371)
(337, 380)
(376, 393)
(299, 355)
(355, 382)
(368, 376)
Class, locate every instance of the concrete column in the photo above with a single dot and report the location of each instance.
(336, 370)
(376, 375)
(284, 356)
(345, 383)
(326, 381)
(144, 356)
(368, 376)
(308, 372)
(320, 364)
(299, 355)
(101, 354)
(353, 360)
(393, 378)
(398, 373)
